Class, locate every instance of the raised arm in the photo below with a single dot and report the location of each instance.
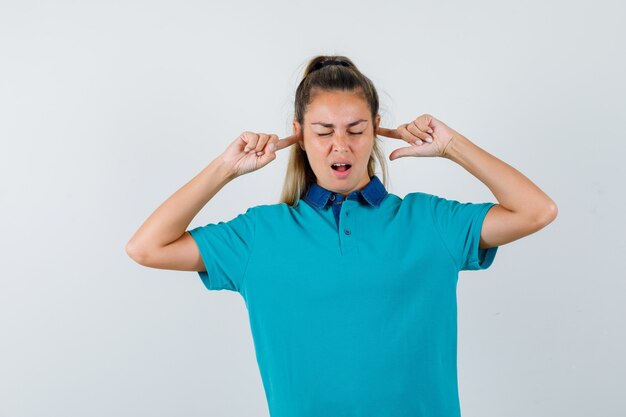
(522, 209)
(162, 241)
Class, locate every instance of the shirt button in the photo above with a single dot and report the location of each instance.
(332, 197)
(347, 231)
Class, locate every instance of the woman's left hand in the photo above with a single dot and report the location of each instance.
(426, 135)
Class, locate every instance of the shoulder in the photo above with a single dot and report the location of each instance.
(270, 208)
(417, 201)
(417, 196)
(430, 200)
(426, 205)
(270, 211)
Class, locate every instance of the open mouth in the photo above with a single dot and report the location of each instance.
(341, 167)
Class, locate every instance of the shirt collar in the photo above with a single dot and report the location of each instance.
(373, 193)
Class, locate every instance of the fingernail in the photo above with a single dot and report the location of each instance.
(259, 153)
(430, 131)
(429, 140)
(246, 149)
(272, 146)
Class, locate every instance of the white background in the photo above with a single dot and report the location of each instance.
(107, 108)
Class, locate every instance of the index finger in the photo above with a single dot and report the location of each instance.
(390, 133)
(286, 142)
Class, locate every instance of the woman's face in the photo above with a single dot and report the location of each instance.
(338, 129)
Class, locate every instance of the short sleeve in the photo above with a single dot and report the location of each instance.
(459, 225)
(225, 248)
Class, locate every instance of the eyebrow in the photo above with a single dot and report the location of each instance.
(332, 125)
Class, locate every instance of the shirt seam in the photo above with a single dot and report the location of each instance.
(245, 271)
(441, 239)
(475, 255)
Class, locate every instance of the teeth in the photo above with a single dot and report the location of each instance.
(340, 165)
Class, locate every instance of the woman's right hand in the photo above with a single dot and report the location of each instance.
(251, 151)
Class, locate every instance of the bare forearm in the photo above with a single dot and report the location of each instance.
(171, 219)
(512, 189)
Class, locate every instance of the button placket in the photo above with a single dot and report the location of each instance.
(346, 226)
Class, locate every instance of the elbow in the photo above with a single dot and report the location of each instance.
(548, 215)
(134, 251)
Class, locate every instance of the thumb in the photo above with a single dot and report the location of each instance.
(401, 153)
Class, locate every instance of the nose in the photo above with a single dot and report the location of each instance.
(340, 142)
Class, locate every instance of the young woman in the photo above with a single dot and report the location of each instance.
(350, 290)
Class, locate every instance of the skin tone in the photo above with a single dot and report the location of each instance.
(338, 127)
(522, 209)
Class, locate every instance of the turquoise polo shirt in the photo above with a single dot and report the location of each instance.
(353, 315)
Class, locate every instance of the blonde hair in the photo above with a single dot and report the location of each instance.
(344, 77)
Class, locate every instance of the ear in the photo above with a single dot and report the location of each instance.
(376, 124)
(297, 130)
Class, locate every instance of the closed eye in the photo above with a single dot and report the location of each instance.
(352, 133)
